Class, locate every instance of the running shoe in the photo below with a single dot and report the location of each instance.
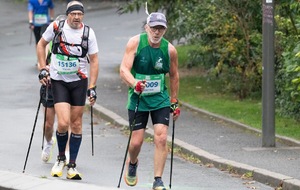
(47, 150)
(73, 173)
(57, 169)
(131, 178)
(158, 184)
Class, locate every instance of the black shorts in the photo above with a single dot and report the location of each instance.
(73, 93)
(47, 102)
(161, 116)
(38, 32)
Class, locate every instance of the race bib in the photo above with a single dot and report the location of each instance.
(66, 65)
(154, 83)
(40, 19)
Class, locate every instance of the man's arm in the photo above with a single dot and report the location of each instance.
(41, 53)
(174, 75)
(30, 16)
(127, 62)
(30, 12)
(94, 69)
(51, 12)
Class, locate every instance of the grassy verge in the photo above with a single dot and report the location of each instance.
(197, 90)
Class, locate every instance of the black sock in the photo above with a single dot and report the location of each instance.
(157, 178)
(75, 141)
(62, 139)
(133, 164)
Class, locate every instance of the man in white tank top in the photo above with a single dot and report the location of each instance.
(68, 75)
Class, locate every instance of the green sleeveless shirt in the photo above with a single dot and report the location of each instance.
(150, 64)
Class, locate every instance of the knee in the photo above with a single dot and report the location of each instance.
(63, 125)
(136, 144)
(77, 123)
(49, 125)
(160, 140)
(76, 127)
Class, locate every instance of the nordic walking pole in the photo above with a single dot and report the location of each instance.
(30, 40)
(32, 133)
(172, 151)
(130, 128)
(45, 115)
(92, 130)
(92, 94)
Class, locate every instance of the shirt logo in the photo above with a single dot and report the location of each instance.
(158, 64)
(143, 60)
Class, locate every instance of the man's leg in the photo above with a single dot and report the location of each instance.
(75, 141)
(136, 142)
(50, 116)
(76, 131)
(161, 149)
(37, 36)
(160, 155)
(135, 146)
(50, 141)
(160, 120)
(62, 110)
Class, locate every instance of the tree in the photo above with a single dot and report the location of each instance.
(287, 58)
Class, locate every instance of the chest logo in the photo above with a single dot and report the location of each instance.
(158, 64)
(143, 60)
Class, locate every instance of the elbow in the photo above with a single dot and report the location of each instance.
(124, 75)
(122, 72)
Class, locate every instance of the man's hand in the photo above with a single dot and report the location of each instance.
(44, 76)
(31, 26)
(140, 86)
(92, 95)
(175, 109)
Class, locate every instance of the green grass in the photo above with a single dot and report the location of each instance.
(197, 90)
(183, 51)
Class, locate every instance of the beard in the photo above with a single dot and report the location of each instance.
(154, 41)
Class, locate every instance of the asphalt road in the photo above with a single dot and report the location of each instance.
(19, 102)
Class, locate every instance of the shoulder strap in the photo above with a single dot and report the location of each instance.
(61, 24)
(57, 38)
(57, 31)
(85, 40)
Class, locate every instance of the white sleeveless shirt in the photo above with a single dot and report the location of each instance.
(66, 70)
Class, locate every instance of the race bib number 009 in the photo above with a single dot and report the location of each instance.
(154, 83)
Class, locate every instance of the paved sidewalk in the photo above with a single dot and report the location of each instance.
(278, 167)
(273, 166)
(10, 181)
(216, 140)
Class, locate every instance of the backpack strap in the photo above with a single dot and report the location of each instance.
(85, 40)
(57, 29)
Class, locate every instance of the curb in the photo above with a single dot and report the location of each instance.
(261, 175)
(285, 140)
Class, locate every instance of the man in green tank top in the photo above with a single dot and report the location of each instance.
(147, 60)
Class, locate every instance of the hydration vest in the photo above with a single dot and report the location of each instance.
(59, 44)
